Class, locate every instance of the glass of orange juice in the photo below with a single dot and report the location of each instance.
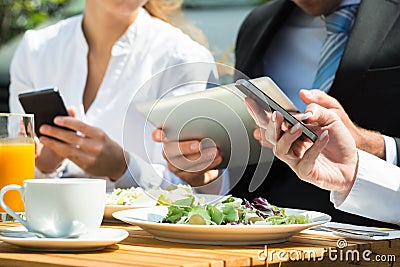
(17, 154)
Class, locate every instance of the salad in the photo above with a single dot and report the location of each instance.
(232, 211)
(127, 197)
(162, 197)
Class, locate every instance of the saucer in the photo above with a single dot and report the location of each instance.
(93, 241)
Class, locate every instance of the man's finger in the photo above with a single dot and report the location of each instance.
(319, 97)
(321, 115)
(158, 135)
(184, 148)
(198, 162)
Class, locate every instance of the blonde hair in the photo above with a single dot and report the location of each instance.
(170, 11)
(163, 9)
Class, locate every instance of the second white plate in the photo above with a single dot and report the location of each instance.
(149, 220)
(147, 203)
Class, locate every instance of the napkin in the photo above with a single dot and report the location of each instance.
(315, 230)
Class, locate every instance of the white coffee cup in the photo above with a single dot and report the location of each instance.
(60, 207)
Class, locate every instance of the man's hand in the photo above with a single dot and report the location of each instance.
(192, 161)
(367, 140)
(330, 163)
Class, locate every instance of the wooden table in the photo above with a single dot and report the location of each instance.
(141, 249)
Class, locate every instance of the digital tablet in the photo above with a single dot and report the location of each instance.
(218, 114)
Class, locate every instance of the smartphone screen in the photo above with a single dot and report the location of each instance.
(252, 91)
(45, 104)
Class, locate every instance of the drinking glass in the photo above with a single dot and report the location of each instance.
(17, 155)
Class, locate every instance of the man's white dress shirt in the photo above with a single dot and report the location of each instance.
(292, 62)
(376, 190)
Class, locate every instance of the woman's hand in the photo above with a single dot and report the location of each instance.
(262, 119)
(46, 159)
(88, 147)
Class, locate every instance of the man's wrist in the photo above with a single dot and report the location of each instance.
(350, 182)
(371, 142)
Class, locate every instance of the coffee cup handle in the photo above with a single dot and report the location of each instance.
(3, 191)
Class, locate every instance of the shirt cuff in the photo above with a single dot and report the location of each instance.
(141, 173)
(390, 150)
(375, 192)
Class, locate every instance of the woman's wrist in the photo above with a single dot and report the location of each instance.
(55, 173)
(120, 171)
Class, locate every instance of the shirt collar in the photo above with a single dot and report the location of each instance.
(80, 37)
(124, 44)
(301, 19)
(350, 2)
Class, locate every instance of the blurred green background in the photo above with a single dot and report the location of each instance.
(17, 16)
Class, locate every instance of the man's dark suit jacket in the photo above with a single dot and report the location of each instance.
(367, 84)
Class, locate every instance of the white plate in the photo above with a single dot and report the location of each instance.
(148, 219)
(110, 209)
(147, 203)
(142, 202)
(94, 241)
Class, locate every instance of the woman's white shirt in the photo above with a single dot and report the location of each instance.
(56, 56)
(376, 190)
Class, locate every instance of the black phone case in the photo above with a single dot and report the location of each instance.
(45, 105)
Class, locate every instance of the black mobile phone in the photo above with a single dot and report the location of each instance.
(261, 98)
(45, 104)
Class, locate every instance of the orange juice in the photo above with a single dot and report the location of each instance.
(17, 163)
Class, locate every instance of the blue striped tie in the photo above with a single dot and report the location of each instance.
(338, 25)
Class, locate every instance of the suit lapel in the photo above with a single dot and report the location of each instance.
(373, 22)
